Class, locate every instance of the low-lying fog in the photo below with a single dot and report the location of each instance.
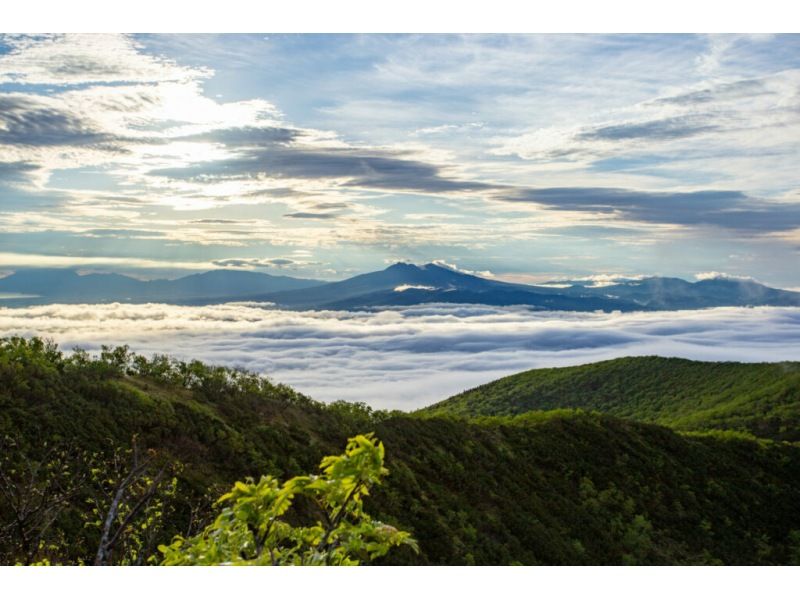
(408, 358)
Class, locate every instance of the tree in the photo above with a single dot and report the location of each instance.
(258, 526)
(135, 492)
(34, 492)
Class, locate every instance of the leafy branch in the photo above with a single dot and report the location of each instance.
(253, 527)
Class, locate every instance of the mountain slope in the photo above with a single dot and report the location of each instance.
(408, 284)
(558, 488)
(428, 277)
(398, 285)
(68, 286)
(761, 398)
(675, 293)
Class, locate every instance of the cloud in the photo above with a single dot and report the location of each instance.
(595, 280)
(29, 120)
(722, 276)
(356, 167)
(248, 136)
(218, 221)
(123, 233)
(735, 90)
(735, 129)
(403, 144)
(652, 130)
(437, 130)
(310, 215)
(112, 105)
(73, 59)
(725, 209)
(722, 49)
(406, 287)
(408, 358)
(15, 172)
(251, 263)
(17, 261)
(455, 268)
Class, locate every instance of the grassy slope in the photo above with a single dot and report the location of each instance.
(760, 398)
(564, 487)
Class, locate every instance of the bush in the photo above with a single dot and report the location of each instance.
(254, 529)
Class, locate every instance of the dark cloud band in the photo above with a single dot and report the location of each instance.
(725, 209)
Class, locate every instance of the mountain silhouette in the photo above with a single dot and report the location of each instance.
(400, 284)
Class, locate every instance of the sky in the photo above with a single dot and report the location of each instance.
(526, 157)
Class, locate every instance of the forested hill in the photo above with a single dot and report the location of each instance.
(760, 398)
(564, 487)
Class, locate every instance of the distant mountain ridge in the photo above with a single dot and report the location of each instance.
(407, 284)
(676, 293)
(68, 286)
(400, 284)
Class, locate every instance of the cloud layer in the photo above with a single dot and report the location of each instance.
(409, 358)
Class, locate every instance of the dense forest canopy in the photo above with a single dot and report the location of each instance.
(567, 486)
(760, 398)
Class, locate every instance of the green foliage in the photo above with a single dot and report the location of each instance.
(34, 494)
(518, 489)
(131, 502)
(254, 529)
(562, 487)
(757, 398)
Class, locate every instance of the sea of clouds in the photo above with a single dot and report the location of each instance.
(410, 357)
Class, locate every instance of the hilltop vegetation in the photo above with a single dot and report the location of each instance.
(565, 487)
(760, 398)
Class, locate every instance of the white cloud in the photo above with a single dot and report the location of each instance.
(455, 268)
(30, 260)
(405, 287)
(735, 130)
(411, 357)
(595, 280)
(272, 262)
(77, 58)
(722, 276)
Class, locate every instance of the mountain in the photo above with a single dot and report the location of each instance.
(408, 284)
(760, 398)
(398, 285)
(553, 488)
(217, 284)
(68, 286)
(51, 282)
(675, 293)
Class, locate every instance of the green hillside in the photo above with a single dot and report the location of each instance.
(760, 398)
(566, 487)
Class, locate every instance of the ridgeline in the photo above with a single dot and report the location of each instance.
(762, 399)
